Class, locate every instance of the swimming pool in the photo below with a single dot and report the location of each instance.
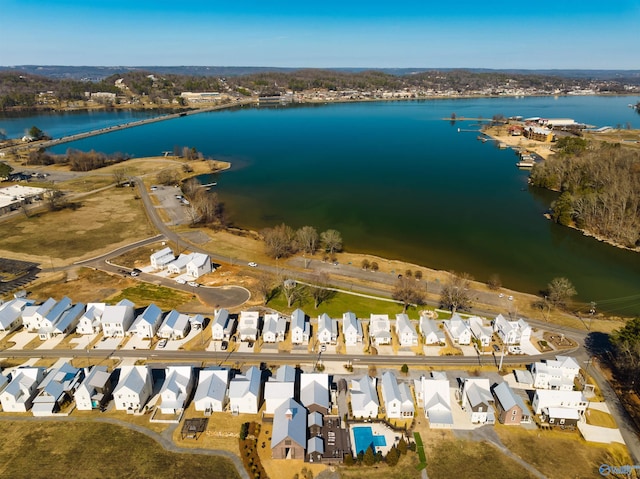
(364, 439)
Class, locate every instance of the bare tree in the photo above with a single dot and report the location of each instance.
(267, 286)
(560, 291)
(407, 291)
(374, 266)
(307, 238)
(331, 240)
(168, 176)
(320, 292)
(279, 241)
(292, 291)
(366, 264)
(494, 282)
(418, 275)
(190, 188)
(193, 214)
(455, 293)
(119, 175)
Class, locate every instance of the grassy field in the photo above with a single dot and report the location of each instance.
(96, 450)
(405, 469)
(142, 294)
(600, 418)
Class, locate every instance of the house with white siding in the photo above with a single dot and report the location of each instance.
(147, 323)
(11, 314)
(58, 386)
(480, 331)
(434, 395)
(279, 388)
(398, 401)
(175, 325)
(351, 329)
(244, 392)
(458, 329)
(512, 332)
(364, 397)
(134, 389)
(65, 323)
(176, 389)
(179, 265)
(211, 393)
(18, 395)
(431, 331)
(555, 374)
(406, 331)
(198, 265)
(274, 328)
(91, 321)
(94, 392)
(379, 329)
(116, 320)
(549, 398)
(477, 400)
(222, 326)
(248, 324)
(160, 259)
(327, 331)
(314, 392)
(300, 327)
(47, 314)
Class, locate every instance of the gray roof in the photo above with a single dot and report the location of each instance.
(315, 444)
(133, 378)
(507, 398)
(54, 313)
(312, 391)
(315, 419)
(69, 317)
(290, 421)
(523, 376)
(213, 383)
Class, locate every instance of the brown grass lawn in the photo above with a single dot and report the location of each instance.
(600, 418)
(559, 454)
(142, 294)
(103, 221)
(96, 450)
(405, 469)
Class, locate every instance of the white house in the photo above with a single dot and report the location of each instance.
(58, 386)
(222, 326)
(64, 324)
(134, 389)
(90, 322)
(512, 332)
(406, 331)
(314, 392)
(248, 325)
(398, 401)
(176, 389)
(211, 393)
(279, 388)
(244, 392)
(555, 374)
(379, 329)
(479, 331)
(477, 400)
(198, 265)
(434, 395)
(548, 398)
(351, 329)
(174, 326)
(117, 319)
(299, 327)
(48, 313)
(19, 393)
(364, 397)
(95, 390)
(11, 314)
(431, 332)
(179, 265)
(274, 328)
(327, 332)
(196, 322)
(147, 323)
(160, 259)
(458, 329)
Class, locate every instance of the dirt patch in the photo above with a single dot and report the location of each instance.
(559, 341)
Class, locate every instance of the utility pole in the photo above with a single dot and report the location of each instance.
(592, 311)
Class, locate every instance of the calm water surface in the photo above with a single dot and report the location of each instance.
(400, 182)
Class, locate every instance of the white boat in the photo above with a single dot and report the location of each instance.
(525, 164)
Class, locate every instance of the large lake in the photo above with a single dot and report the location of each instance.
(400, 182)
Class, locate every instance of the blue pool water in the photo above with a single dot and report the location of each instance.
(364, 438)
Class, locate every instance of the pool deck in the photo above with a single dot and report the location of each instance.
(378, 429)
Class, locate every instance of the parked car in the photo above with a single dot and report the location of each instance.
(323, 348)
(135, 272)
(496, 348)
(252, 264)
(162, 344)
(224, 345)
(181, 281)
(515, 350)
(193, 284)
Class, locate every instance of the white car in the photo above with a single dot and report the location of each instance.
(181, 281)
(193, 284)
(515, 350)
(253, 265)
(162, 344)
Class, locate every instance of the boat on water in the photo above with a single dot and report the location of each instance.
(525, 164)
(502, 146)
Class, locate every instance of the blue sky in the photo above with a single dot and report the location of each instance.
(493, 34)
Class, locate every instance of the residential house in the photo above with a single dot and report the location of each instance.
(222, 326)
(351, 329)
(364, 397)
(299, 327)
(244, 392)
(147, 323)
(560, 416)
(511, 332)
(549, 398)
(18, 395)
(431, 332)
(174, 326)
(134, 389)
(248, 325)
(435, 397)
(91, 321)
(477, 400)
(198, 265)
(58, 386)
(274, 328)
(555, 374)
(510, 406)
(379, 329)
(398, 401)
(406, 331)
(47, 314)
(65, 323)
(315, 423)
(458, 329)
(117, 319)
(314, 392)
(479, 331)
(176, 389)
(523, 378)
(179, 265)
(279, 388)
(196, 322)
(289, 431)
(315, 448)
(160, 259)
(211, 393)
(327, 332)
(94, 392)
(11, 314)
